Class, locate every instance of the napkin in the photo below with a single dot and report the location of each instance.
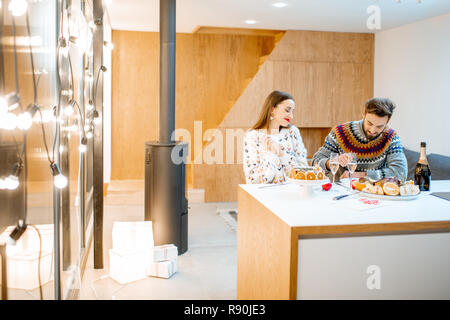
(359, 203)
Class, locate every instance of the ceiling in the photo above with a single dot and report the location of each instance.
(320, 15)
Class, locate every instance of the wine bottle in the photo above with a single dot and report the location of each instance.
(422, 174)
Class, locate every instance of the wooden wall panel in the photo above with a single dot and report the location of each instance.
(218, 82)
(220, 180)
(330, 76)
(212, 70)
(312, 88)
(313, 139)
(244, 112)
(352, 87)
(135, 89)
(318, 46)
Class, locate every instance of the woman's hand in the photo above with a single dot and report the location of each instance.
(274, 147)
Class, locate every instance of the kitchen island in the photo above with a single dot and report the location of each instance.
(290, 248)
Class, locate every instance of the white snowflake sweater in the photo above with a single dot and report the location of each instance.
(262, 166)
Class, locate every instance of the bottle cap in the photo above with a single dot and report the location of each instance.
(423, 144)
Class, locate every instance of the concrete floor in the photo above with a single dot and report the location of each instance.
(206, 271)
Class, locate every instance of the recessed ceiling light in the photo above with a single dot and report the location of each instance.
(250, 21)
(279, 4)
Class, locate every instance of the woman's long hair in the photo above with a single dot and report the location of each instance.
(272, 101)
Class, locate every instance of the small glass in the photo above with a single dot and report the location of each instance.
(334, 164)
(351, 166)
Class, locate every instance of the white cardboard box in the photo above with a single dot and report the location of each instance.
(23, 270)
(128, 265)
(29, 241)
(162, 269)
(164, 252)
(135, 235)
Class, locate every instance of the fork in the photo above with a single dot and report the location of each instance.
(274, 185)
(345, 195)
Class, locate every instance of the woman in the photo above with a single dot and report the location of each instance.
(272, 147)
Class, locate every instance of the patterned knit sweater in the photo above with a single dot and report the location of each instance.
(380, 157)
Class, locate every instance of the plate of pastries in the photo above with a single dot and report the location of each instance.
(308, 175)
(389, 188)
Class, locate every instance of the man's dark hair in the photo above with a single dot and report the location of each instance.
(380, 106)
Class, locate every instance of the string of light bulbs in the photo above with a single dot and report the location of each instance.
(24, 120)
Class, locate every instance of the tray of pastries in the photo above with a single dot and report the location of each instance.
(308, 175)
(387, 188)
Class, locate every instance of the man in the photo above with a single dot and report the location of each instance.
(378, 148)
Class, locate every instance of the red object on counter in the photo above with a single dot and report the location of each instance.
(326, 186)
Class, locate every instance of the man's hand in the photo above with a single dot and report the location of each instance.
(343, 159)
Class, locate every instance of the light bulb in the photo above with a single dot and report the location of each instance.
(82, 148)
(2, 184)
(12, 182)
(68, 92)
(89, 135)
(65, 52)
(60, 181)
(68, 110)
(92, 25)
(18, 7)
(279, 4)
(97, 119)
(90, 106)
(89, 77)
(24, 121)
(83, 145)
(9, 102)
(108, 45)
(3, 106)
(8, 121)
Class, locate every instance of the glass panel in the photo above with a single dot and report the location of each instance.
(33, 200)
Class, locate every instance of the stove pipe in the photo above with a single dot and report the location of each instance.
(167, 39)
(165, 176)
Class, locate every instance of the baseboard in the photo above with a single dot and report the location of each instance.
(196, 195)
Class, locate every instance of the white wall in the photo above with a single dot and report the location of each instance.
(412, 67)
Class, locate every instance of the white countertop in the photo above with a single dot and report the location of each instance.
(284, 201)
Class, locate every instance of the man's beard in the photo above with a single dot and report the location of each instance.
(370, 137)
